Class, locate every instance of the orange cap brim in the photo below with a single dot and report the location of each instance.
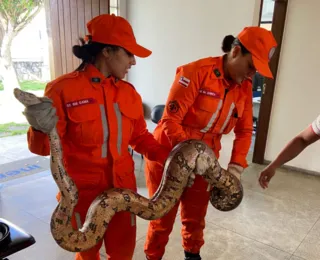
(138, 50)
(262, 67)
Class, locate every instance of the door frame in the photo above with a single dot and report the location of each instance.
(277, 28)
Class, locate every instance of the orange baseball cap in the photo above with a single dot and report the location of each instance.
(115, 30)
(261, 44)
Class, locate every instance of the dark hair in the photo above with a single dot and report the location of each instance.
(229, 41)
(88, 52)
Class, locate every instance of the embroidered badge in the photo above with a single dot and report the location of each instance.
(209, 93)
(184, 81)
(173, 106)
(95, 80)
(217, 73)
(80, 102)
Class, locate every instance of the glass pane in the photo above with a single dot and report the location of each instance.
(114, 3)
(114, 10)
(267, 11)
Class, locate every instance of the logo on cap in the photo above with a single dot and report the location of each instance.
(271, 52)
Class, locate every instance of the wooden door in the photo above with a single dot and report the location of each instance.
(278, 24)
(66, 22)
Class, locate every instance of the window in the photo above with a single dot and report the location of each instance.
(114, 7)
(267, 11)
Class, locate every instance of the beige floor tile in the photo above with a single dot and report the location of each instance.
(310, 247)
(297, 258)
(279, 223)
(286, 184)
(220, 244)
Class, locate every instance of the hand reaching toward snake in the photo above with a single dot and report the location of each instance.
(185, 160)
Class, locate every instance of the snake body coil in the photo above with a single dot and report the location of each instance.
(187, 157)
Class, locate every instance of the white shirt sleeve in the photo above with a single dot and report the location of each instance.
(316, 125)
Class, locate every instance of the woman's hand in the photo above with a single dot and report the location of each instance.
(265, 176)
(236, 170)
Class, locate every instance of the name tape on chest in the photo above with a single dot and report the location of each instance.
(209, 93)
(81, 102)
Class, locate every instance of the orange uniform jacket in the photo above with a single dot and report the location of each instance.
(98, 118)
(203, 105)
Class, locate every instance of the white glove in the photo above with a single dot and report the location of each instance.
(42, 116)
(235, 169)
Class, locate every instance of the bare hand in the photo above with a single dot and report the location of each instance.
(236, 170)
(266, 176)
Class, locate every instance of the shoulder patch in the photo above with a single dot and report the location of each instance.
(173, 106)
(184, 81)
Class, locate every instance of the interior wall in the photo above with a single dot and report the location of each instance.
(179, 32)
(297, 91)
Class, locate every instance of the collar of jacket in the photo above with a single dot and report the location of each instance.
(218, 73)
(97, 78)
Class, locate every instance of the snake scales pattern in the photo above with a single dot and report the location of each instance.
(187, 157)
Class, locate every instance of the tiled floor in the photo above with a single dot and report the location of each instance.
(281, 223)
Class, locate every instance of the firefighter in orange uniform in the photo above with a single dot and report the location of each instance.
(208, 98)
(98, 116)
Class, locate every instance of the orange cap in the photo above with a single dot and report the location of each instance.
(261, 44)
(115, 30)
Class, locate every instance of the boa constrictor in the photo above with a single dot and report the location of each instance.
(185, 158)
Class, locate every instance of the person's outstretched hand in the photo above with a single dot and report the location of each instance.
(265, 177)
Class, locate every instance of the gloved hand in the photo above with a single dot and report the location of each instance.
(200, 168)
(42, 117)
(235, 169)
(192, 177)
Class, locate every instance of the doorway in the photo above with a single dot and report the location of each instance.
(258, 81)
(272, 17)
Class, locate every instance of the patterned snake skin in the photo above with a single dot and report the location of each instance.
(187, 157)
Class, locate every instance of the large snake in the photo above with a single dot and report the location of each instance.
(186, 158)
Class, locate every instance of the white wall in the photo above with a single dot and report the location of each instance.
(296, 101)
(178, 32)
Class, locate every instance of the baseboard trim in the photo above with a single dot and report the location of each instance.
(295, 169)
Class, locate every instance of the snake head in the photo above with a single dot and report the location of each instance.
(26, 98)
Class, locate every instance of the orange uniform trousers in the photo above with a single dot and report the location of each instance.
(194, 203)
(119, 245)
(201, 105)
(99, 118)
